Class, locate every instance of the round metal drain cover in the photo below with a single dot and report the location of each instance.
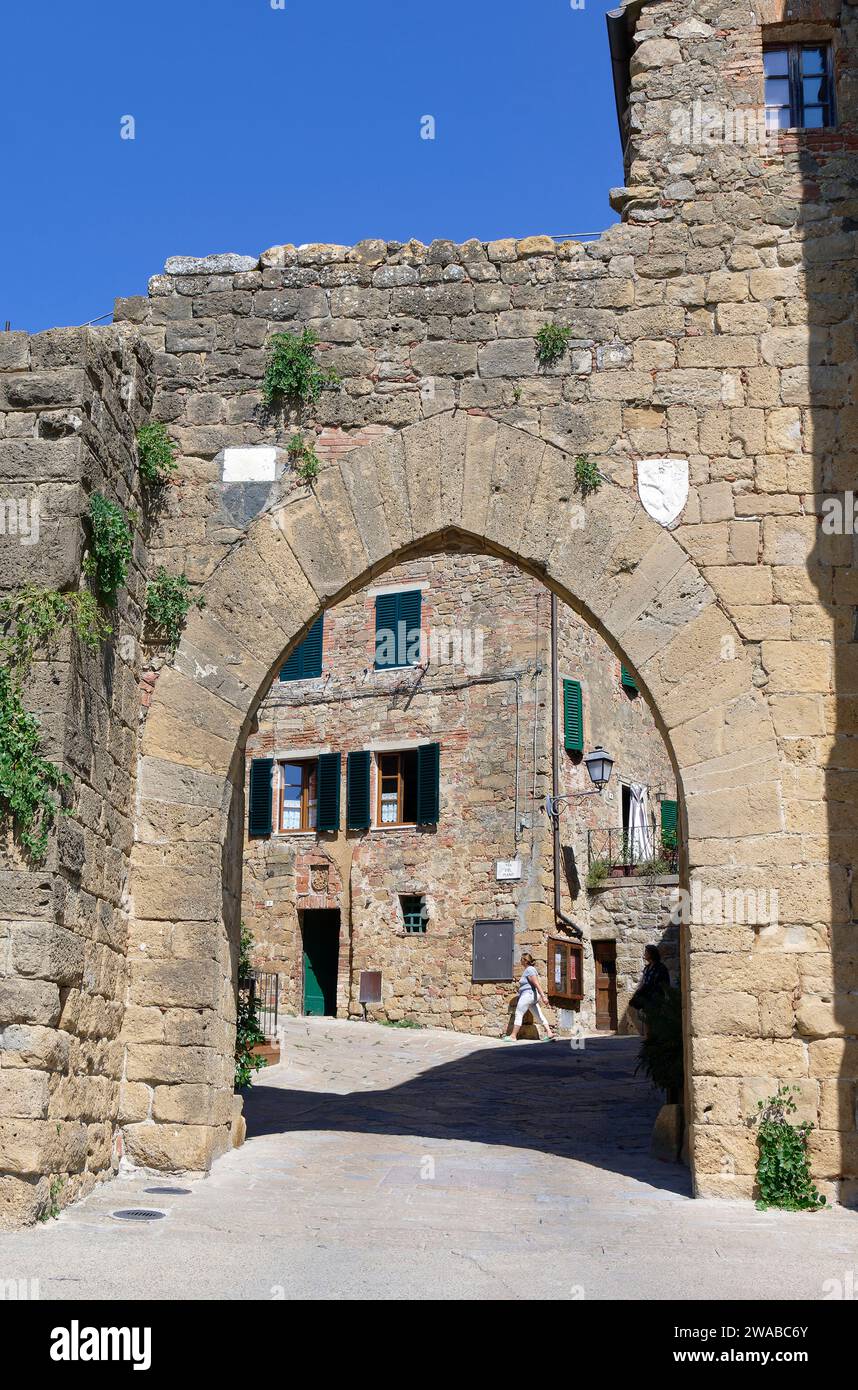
(139, 1214)
(168, 1191)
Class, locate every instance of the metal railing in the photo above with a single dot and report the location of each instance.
(265, 994)
(631, 854)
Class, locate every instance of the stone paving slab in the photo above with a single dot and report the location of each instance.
(411, 1165)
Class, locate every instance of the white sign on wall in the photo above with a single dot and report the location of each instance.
(507, 870)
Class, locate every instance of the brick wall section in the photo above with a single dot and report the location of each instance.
(471, 711)
(70, 402)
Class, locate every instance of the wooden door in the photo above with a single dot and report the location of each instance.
(605, 954)
(321, 933)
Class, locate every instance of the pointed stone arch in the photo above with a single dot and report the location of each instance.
(454, 475)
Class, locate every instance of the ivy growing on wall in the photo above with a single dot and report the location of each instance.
(111, 547)
(304, 459)
(292, 375)
(156, 455)
(587, 476)
(783, 1167)
(169, 599)
(31, 622)
(552, 341)
(247, 1030)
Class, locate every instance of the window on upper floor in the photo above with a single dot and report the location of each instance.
(305, 663)
(799, 86)
(298, 801)
(397, 629)
(397, 788)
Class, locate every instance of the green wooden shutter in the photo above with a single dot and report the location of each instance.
(305, 663)
(312, 648)
(260, 801)
(627, 680)
(573, 717)
(428, 783)
(358, 815)
(397, 621)
(669, 816)
(410, 607)
(328, 791)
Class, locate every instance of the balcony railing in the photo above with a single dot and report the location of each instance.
(631, 854)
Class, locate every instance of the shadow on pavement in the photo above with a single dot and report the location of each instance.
(585, 1104)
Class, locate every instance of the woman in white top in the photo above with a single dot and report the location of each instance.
(529, 995)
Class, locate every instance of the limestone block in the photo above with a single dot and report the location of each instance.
(730, 1012)
(25, 1045)
(170, 1148)
(170, 1065)
(797, 667)
(821, 1018)
(42, 1146)
(28, 1001)
(178, 984)
(23, 1094)
(45, 950)
(717, 1056)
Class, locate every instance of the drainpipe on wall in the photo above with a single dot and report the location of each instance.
(559, 916)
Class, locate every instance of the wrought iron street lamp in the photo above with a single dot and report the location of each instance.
(600, 765)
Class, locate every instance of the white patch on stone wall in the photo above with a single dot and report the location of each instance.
(254, 464)
(663, 488)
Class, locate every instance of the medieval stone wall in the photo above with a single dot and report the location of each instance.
(70, 403)
(715, 325)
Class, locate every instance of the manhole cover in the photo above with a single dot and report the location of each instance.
(168, 1191)
(139, 1214)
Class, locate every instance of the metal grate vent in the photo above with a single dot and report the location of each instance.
(139, 1214)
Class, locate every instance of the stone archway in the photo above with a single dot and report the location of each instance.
(513, 494)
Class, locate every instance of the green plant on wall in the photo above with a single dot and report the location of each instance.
(587, 476)
(292, 375)
(169, 599)
(247, 1030)
(661, 1057)
(304, 459)
(111, 547)
(31, 621)
(783, 1168)
(29, 783)
(552, 340)
(597, 873)
(156, 454)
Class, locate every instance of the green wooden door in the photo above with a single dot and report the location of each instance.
(321, 931)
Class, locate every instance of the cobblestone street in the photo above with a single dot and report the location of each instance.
(387, 1163)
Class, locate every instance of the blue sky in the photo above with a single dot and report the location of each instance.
(257, 125)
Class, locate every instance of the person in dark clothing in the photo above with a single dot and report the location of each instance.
(655, 982)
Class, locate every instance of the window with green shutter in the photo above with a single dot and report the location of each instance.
(328, 792)
(573, 717)
(305, 663)
(428, 783)
(397, 629)
(260, 797)
(358, 812)
(669, 824)
(627, 681)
